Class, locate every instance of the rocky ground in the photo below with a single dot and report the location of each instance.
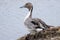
(48, 34)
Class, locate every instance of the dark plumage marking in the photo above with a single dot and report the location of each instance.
(38, 26)
(34, 23)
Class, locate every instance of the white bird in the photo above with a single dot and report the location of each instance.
(33, 23)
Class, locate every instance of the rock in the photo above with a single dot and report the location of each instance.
(52, 33)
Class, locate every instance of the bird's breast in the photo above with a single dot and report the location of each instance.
(28, 23)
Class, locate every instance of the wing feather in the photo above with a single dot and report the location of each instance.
(39, 21)
(35, 21)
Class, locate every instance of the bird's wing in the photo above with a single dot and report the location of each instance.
(35, 21)
(39, 20)
(44, 24)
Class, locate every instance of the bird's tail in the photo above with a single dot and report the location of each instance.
(45, 25)
(50, 25)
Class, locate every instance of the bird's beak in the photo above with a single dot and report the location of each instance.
(22, 7)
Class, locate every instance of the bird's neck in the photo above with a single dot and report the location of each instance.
(30, 13)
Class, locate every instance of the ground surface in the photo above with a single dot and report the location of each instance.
(48, 34)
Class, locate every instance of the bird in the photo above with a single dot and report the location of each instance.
(33, 23)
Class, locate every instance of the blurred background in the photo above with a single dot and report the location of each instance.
(12, 17)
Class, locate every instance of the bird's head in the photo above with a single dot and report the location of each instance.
(28, 6)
